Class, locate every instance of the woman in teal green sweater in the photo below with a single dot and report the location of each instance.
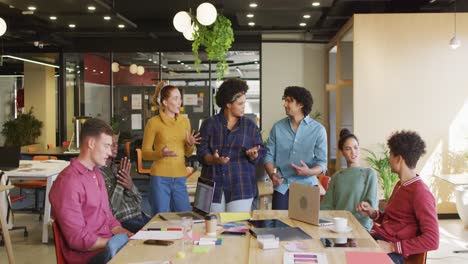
(353, 184)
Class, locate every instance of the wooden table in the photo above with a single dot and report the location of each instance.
(38, 170)
(4, 225)
(244, 249)
(59, 152)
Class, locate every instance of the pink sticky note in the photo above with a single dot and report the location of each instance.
(359, 257)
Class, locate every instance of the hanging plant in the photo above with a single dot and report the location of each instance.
(217, 40)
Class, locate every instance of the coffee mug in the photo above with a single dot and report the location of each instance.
(340, 223)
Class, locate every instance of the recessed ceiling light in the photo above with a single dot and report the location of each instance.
(101, 72)
(32, 8)
(253, 5)
(150, 59)
(164, 66)
(302, 24)
(250, 15)
(107, 18)
(315, 3)
(306, 16)
(85, 68)
(94, 70)
(251, 24)
(121, 25)
(72, 25)
(53, 18)
(178, 61)
(91, 8)
(182, 63)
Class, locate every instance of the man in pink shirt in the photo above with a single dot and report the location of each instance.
(80, 204)
(409, 223)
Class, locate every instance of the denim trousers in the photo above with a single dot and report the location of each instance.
(136, 224)
(113, 246)
(280, 201)
(168, 194)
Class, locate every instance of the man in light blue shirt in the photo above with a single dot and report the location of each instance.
(297, 147)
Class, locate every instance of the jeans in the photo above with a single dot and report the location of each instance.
(244, 205)
(396, 258)
(280, 201)
(113, 246)
(168, 194)
(136, 224)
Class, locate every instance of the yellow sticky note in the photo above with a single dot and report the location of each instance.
(201, 249)
(233, 217)
(125, 98)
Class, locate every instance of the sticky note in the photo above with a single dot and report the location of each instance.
(201, 249)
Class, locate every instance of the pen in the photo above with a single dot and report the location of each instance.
(164, 229)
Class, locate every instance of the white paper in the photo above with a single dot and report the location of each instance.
(199, 107)
(136, 121)
(295, 257)
(161, 235)
(136, 101)
(190, 99)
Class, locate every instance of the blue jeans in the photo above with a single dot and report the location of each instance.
(280, 201)
(396, 258)
(113, 246)
(136, 224)
(168, 194)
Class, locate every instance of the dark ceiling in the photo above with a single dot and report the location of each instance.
(148, 23)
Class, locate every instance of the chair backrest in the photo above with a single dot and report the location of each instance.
(416, 259)
(49, 146)
(324, 181)
(58, 243)
(32, 149)
(140, 168)
(44, 157)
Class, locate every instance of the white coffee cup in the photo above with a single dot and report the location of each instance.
(340, 224)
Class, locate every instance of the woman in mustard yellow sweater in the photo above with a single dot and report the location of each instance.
(167, 139)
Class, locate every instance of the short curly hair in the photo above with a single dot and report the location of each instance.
(407, 144)
(229, 90)
(302, 96)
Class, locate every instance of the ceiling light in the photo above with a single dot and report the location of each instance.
(31, 61)
(302, 24)
(94, 70)
(454, 41)
(72, 25)
(178, 61)
(121, 25)
(133, 69)
(150, 59)
(182, 21)
(251, 24)
(32, 8)
(316, 4)
(250, 15)
(85, 68)
(53, 18)
(3, 26)
(206, 14)
(107, 17)
(101, 72)
(253, 5)
(115, 67)
(306, 16)
(140, 70)
(182, 63)
(164, 66)
(91, 8)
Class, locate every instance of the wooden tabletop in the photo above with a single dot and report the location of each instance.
(245, 249)
(57, 151)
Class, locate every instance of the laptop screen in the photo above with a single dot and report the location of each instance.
(10, 157)
(204, 195)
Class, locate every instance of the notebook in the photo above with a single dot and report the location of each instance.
(201, 205)
(304, 204)
(10, 158)
(283, 233)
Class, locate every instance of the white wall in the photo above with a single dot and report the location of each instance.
(407, 77)
(7, 86)
(288, 64)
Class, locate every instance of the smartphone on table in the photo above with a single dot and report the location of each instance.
(158, 242)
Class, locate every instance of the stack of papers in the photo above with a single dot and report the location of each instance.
(367, 257)
(161, 235)
(233, 217)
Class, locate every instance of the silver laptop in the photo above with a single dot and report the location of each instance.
(201, 205)
(10, 158)
(304, 204)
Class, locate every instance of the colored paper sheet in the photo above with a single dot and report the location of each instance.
(201, 249)
(233, 217)
(359, 257)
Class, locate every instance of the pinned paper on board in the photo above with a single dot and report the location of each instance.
(199, 106)
(136, 101)
(190, 99)
(136, 121)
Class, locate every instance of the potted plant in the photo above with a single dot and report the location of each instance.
(24, 130)
(380, 162)
(217, 40)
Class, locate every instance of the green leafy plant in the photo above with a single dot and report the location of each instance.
(317, 116)
(381, 164)
(217, 40)
(24, 130)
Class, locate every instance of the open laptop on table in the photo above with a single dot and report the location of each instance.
(201, 205)
(304, 204)
(10, 158)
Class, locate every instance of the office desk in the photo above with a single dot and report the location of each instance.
(38, 170)
(60, 152)
(5, 232)
(244, 249)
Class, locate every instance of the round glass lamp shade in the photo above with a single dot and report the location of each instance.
(115, 67)
(188, 34)
(133, 68)
(206, 14)
(140, 70)
(182, 21)
(3, 26)
(455, 42)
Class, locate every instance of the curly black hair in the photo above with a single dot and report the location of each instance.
(407, 144)
(229, 90)
(302, 96)
(344, 135)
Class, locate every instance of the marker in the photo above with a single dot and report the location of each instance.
(164, 229)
